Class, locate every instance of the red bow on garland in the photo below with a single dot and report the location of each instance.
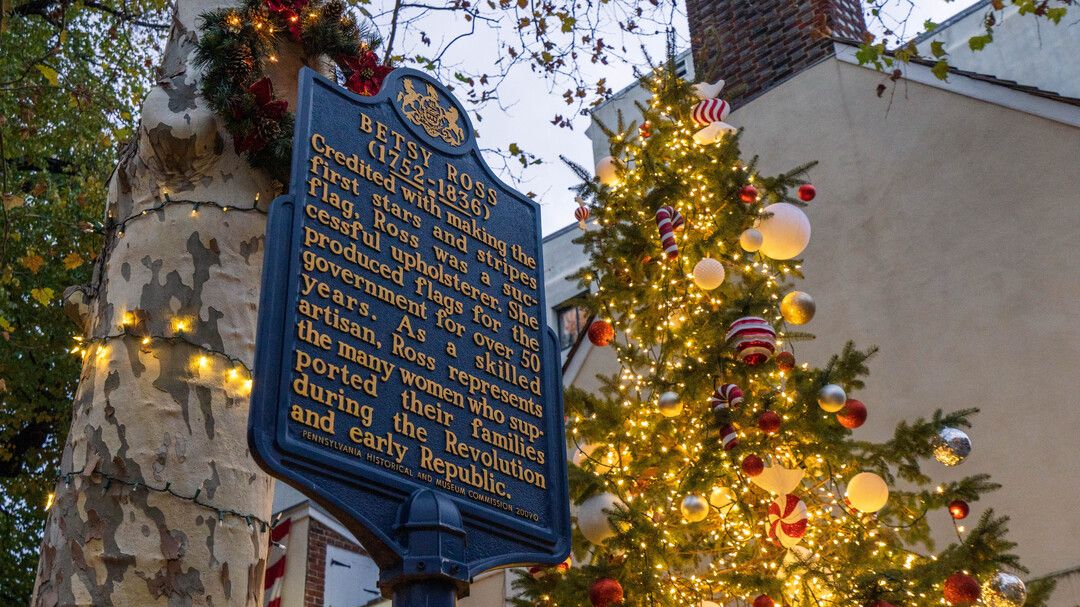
(266, 107)
(290, 13)
(364, 73)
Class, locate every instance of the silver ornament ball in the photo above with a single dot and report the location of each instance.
(951, 446)
(670, 405)
(694, 508)
(831, 398)
(1004, 590)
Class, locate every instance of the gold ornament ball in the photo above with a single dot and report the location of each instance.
(723, 499)
(670, 404)
(798, 307)
(694, 508)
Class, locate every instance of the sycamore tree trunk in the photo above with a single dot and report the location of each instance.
(160, 502)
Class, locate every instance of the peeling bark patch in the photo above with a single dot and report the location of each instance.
(226, 582)
(179, 154)
(211, 484)
(250, 247)
(176, 584)
(181, 94)
(172, 548)
(206, 406)
(112, 382)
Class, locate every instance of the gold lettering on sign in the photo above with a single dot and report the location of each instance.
(426, 112)
(417, 321)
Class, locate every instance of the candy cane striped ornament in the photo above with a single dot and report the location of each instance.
(581, 214)
(729, 437)
(709, 111)
(787, 520)
(727, 396)
(753, 338)
(667, 221)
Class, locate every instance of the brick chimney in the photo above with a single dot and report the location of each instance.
(756, 44)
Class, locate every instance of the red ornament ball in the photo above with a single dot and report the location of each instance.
(645, 129)
(807, 192)
(769, 422)
(605, 591)
(752, 465)
(748, 194)
(763, 600)
(785, 361)
(961, 589)
(852, 415)
(959, 509)
(601, 333)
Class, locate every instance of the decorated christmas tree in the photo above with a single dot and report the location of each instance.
(715, 467)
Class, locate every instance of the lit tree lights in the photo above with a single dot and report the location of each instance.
(705, 471)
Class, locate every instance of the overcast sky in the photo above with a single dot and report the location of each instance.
(533, 102)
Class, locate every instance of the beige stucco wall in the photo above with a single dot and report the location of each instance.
(947, 232)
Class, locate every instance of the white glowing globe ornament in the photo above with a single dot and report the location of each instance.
(593, 517)
(785, 233)
(708, 274)
(867, 492)
(607, 171)
(750, 240)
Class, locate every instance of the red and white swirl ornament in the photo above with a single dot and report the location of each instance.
(787, 520)
(727, 396)
(667, 221)
(708, 111)
(753, 338)
(729, 437)
(581, 214)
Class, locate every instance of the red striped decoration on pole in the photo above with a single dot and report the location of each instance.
(275, 570)
(709, 111)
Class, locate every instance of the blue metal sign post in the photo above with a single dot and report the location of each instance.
(405, 377)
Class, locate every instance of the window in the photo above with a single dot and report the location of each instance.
(573, 320)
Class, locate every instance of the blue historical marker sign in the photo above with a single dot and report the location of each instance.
(405, 377)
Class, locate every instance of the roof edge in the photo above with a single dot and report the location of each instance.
(1058, 108)
(951, 21)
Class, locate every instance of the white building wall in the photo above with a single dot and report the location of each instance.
(1030, 51)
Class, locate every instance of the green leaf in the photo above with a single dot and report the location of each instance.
(42, 296)
(978, 43)
(49, 74)
(941, 70)
(937, 49)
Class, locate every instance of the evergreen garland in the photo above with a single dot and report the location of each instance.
(233, 47)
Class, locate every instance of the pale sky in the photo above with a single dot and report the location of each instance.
(533, 102)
